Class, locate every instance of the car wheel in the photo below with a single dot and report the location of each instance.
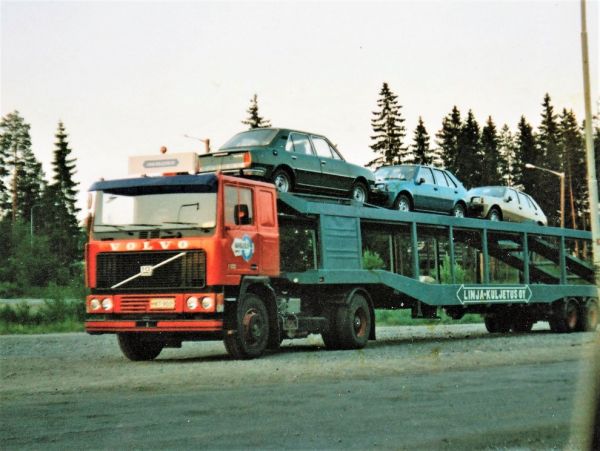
(282, 181)
(359, 192)
(494, 214)
(458, 211)
(403, 203)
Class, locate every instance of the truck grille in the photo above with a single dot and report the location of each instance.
(188, 271)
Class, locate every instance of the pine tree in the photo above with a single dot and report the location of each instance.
(421, 151)
(389, 131)
(254, 119)
(64, 169)
(548, 141)
(470, 155)
(447, 139)
(490, 171)
(507, 150)
(21, 173)
(526, 152)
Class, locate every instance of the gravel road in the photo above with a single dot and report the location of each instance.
(426, 387)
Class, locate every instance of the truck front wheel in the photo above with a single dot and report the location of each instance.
(353, 323)
(248, 333)
(136, 349)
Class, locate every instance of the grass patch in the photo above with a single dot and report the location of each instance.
(54, 315)
(403, 318)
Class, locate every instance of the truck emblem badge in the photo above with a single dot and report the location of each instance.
(146, 270)
(243, 247)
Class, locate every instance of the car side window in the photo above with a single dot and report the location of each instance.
(530, 202)
(425, 173)
(298, 143)
(451, 182)
(521, 199)
(322, 147)
(440, 178)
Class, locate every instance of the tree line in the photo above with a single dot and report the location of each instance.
(41, 237)
(42, 241)
(489, 155)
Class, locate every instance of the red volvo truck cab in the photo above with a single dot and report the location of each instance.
(167, 253)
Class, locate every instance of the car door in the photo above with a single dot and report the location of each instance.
(510, 205)
(445, 192)
(336, 174)
(425, 194)
(306, 165)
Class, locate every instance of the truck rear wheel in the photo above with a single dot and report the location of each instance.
(497, 323)
(588, 316)
(249, 333)
(566, 320)
(353, 323)
(136, 349)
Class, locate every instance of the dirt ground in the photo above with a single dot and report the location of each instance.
(426, 387)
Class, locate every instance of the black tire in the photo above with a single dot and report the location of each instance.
(249, 323)
(497, 324)
(136, 349)
(566, 319)
(588, 316)
(403, 203)
(283, 181)
(459, 210)
(329, 336)
(359, 192)
(353, 323)
(495, 214)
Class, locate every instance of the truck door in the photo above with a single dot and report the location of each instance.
(240, 230)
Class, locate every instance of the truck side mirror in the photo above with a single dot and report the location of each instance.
(241, 214)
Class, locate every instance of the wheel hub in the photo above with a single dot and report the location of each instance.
(253, 326)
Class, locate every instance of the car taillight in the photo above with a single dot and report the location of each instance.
(247, 159)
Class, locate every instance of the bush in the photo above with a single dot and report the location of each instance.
(372, 260)
(10, 290)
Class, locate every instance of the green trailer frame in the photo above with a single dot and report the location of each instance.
(340, 250)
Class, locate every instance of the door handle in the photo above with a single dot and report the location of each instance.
(435, 188)
(294, 157)
(253, 267)
(323, 163)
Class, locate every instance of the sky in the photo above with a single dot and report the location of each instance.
(129, 77)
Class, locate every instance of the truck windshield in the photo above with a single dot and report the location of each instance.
(259, 137)
(157, 211)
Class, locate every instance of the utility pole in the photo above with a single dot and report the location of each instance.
(589, 146)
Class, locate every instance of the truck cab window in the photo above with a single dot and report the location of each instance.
(235, 200)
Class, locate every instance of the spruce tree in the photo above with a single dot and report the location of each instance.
(526, 152)
(490, 170)
(421, 151)
(548, 141)
(389, 131)
(60, 202)
(468, 164)
(507, 150)
(447, 139)
(255, 120)
(574, 165)
(22, 176)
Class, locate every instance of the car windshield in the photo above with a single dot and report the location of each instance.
(395, 172)
(493, 191)
(258, 137)
(157, 211)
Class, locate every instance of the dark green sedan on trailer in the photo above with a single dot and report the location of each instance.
(293, 161)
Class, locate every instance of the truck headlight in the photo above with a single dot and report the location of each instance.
(192, 303)
(107, 304)
(207, 303)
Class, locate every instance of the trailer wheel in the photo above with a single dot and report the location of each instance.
(497, 324)
(589, 316)
(250, 334)
(567, 319)
(135, 349)
(353, 323)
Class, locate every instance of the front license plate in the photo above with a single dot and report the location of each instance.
(162, 304)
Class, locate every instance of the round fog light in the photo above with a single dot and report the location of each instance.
(94, 304)
(207, 303)
(107, 304)
(192, 303)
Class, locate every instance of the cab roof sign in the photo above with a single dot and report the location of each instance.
(186, 162)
